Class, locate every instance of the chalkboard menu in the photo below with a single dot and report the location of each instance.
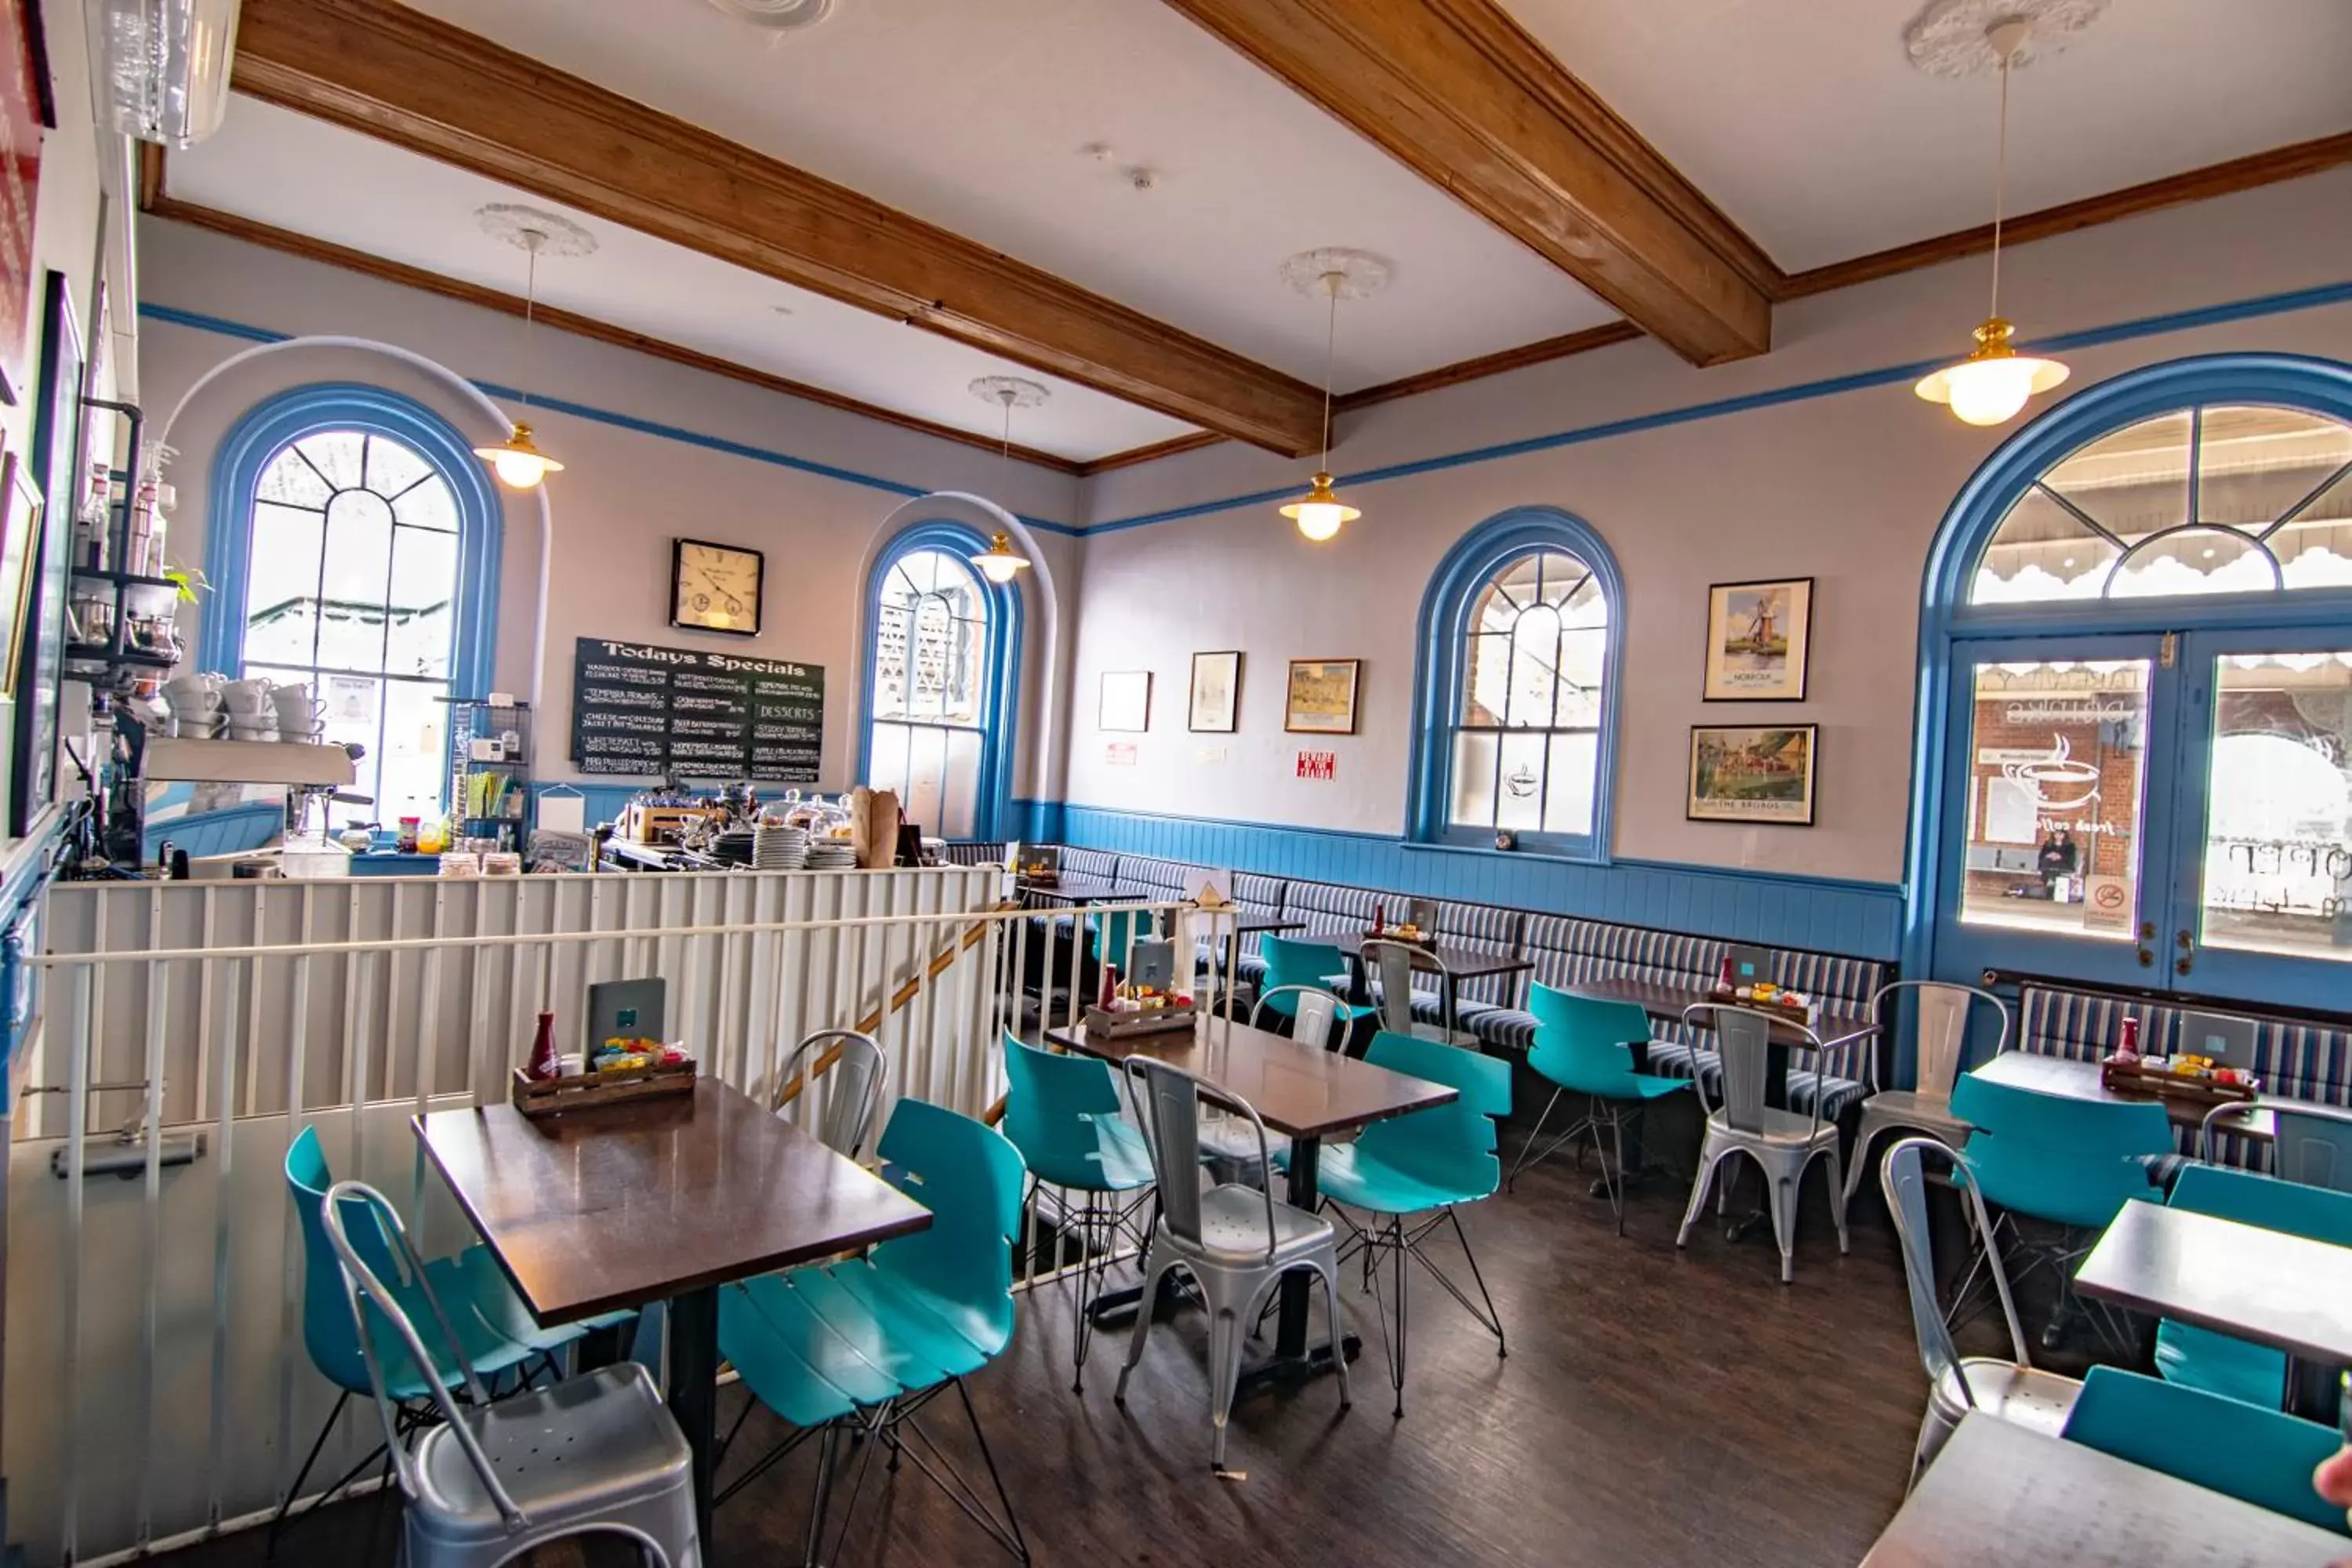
(652, 711)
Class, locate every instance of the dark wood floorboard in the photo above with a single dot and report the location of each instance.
(1656, 1409)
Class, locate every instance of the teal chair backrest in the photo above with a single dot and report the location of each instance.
(2224, 1445)
(1290, 962)
(1585, 1045)
(2317, 1213)
(1048, 1099)
(1450, 1145)
(2073, 1162)
(969, 1175)
(1113, 934)
(328, 1331)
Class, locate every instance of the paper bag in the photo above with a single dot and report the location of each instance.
(874, 827)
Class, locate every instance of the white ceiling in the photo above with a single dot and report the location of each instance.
(1805, 121)
(285, 169)
(971, 114)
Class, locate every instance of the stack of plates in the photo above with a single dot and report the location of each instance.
(776, 847)
(832, 855)
(732, 847)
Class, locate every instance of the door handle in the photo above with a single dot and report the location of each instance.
(2187, 958)
(2147, 959)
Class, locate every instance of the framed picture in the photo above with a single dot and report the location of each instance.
(1321, 700)
(1126, 701)
(1216, 691)
(20, 523)
(57, 453)
(1753, 775)
(24, 108)
(1757, 637)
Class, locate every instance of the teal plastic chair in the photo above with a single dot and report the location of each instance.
(2071, 1162)
(1436, 1159)
(1585, 1047)
(1064, 1115)
(2224, 1445)
(858, 1347)
(330, 1334)
(2200, 1358)
(1290, 962)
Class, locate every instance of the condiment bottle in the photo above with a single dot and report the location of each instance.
(1723, 977)
(543, 1065)
(1380, 918)
(2127, 1039)
(1110, 996)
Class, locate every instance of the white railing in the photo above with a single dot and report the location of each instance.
(157, 1389)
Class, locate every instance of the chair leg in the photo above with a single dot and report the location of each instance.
(1153, 1269)
(269, 1545)
(824, 1495)
(1708, 1161)
(1838, 1193)
(1494, 1319)
(1224, 1377)
(1330, 1274)
(1861, 1167)
(1617, 1180)
(1782, 1190)
(1511, 1182)
(1396, 1363)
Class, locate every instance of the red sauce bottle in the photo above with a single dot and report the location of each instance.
(543, 1065)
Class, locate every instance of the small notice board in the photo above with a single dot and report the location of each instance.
(648, 711)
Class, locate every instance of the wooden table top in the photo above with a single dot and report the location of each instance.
(1076, 889)
(1296, 1089)
(1464, 962)
(615, 1206)
(2002, 1497)
(1669, 1002)
(2289, 1292)
(2080, 1080)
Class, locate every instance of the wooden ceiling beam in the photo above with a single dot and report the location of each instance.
(1461, 94)
(392, 72)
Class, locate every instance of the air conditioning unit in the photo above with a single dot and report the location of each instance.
(166, 66)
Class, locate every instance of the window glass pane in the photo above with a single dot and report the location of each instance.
(2195, 560)
(292, 480)
(2054, 793)
(1474, 778)
(428, 505)
(929, 697)
(336, 455)
(2278, 850)
(1583, 655)
(416, 749)
(392, 467)
(2316, 545)
(2254, 464)
(359, 548)
(281, 585)
(891, 662)
(2042, 551)
(1518, 803)
(2132, 481)
(423, 619)
(1486, 678)
(1570, 788)
(1535, 650)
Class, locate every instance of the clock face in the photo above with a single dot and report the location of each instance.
(714, 588)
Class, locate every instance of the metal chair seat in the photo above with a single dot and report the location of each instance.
(1783, 1144)
(1909, 1108)
(596, 1443)
(2022, 1396)
(1781, 1128)
(1234, 1228)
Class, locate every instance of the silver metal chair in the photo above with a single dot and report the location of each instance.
(1945, 1012)
(1237, 1242)
(593, 1454)
(1783, 1143)
(1229, 1146)
(2015, 1390)
(855, 1076)
(1318, 1013)
(2312, 1143)
(1392, 965)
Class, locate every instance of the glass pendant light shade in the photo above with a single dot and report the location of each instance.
(1000, 563)
(1320, 513)
(519, 464)
(1992, 384)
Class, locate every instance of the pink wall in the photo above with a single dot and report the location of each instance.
(1847, 489)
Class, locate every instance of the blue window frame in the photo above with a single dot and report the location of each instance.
(942, 683)
(354, 546)
(1516, 689)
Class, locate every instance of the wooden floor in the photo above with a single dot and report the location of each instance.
(1656, 1409)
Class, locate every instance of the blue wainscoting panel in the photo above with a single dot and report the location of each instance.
(1862, 919)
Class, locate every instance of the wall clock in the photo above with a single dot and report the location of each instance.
(714, 588)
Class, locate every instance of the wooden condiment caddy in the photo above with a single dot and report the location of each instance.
(2135, 1076)
(537, 1097)
(1794, 1013)
(1108, 1023)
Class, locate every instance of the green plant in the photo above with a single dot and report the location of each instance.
(190, 580)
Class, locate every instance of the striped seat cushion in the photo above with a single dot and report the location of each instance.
(1503, 1029)
(1089, 862)
(973, 851)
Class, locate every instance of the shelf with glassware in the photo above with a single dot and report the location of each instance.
(120, 631)
(489, 768)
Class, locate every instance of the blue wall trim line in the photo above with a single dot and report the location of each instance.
(239, 329)
(2089, 337)
(1861, 919)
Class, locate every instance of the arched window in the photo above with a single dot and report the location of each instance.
(1516, 688)
(361, 561)
(2211, 499)
(942, 652)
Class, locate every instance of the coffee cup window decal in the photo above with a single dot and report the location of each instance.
(2057, 782)
(1521, 782)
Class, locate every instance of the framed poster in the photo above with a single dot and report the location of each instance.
(24, 108)
(1758, 635)
(20, 523)
(1321, 699)
(1216, 691)
(57, 453)
(1126, 703)
(1753, 775)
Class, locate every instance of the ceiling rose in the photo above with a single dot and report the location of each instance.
(513, 224)
(1347, 274)
(778, 15)
(1009, 391)
(1951, 37)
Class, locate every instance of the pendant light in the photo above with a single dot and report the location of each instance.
(517, 460)
(1992, 384)
(1336, 274)
(1000, 563)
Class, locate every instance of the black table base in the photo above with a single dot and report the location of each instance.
(694, 1395)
